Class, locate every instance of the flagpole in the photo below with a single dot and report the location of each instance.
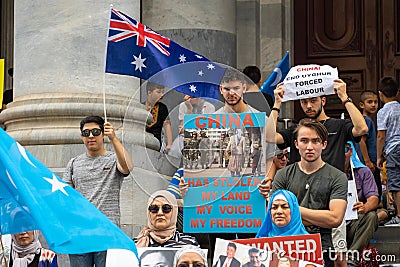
(105, 62)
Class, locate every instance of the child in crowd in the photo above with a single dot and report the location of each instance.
(388, 139)
(366, 149)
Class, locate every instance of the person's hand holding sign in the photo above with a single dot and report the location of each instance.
(340, 89)
(278, 94)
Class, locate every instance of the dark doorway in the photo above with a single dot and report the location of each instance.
(360, 38)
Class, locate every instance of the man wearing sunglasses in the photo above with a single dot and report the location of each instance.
(97, 175)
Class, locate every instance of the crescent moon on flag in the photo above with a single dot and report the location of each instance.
(278, 76)
(24, 155)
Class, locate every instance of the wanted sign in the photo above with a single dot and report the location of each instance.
(305, 81)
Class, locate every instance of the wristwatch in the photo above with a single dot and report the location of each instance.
(347, 100)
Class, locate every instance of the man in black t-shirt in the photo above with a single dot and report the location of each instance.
(339, 131)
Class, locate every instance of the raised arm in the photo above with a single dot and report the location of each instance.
(360, 126)
(271, 134)
(125, 164)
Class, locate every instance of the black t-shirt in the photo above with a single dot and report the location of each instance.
(160, 114)
(339, 132)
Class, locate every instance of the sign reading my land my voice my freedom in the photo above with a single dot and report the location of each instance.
(305, 81)
(221, 173)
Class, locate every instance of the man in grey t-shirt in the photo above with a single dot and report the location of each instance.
(320, 188)
(97, 175)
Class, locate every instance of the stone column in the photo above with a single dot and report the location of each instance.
(59, 79)
(207, 27)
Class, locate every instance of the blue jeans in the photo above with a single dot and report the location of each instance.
(97, 259)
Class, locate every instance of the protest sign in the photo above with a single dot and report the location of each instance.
(246, 256)
(306, 81)
(224, 161)
(351, 200)
(304, 247)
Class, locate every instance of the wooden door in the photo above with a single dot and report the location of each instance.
(360, 38)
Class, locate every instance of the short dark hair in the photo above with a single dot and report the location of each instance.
(232, 75)
(96, 119)
(253, 72)
(318, 127)
(366, 94)
(388, 86)
(150, 86)
(231, 244)
(253, 250)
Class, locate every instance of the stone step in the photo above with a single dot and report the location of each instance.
(387, 234)
(387, 241)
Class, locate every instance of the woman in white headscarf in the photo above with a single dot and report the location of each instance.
(26, 251)
(190, 256)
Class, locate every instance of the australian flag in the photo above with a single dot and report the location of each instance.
(136, 50)
(277, 76)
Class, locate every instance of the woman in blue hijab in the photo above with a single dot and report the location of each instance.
(283, 216)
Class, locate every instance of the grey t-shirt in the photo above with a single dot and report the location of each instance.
(99, 180)
(314, 190)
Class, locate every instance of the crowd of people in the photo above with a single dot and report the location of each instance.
(305, 189)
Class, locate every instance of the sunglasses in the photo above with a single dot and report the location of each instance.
(166, 208)
(281, 155)
(346, 149)
(95, 132)
(197, 264)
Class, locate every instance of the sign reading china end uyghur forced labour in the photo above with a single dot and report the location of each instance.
(221, 199)
(306, 81)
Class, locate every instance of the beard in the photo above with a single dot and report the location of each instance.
(234, 103)
(317, 113)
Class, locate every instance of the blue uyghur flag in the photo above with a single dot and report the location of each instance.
(277, 76)
(136, 50)
(34, 198)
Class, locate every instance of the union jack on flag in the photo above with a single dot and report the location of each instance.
(136, 50)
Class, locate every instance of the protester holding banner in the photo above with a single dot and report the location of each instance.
(26, 251)
(190, 256)
(310, 84)
(361, 230)
(162, 215)
(339, 131)
(283, 216)
(320, 188)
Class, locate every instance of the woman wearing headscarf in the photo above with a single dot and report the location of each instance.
(190, 256)
(26, 251)
(162, 214)
(283, 216)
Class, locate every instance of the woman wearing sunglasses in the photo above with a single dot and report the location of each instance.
(162, 214)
